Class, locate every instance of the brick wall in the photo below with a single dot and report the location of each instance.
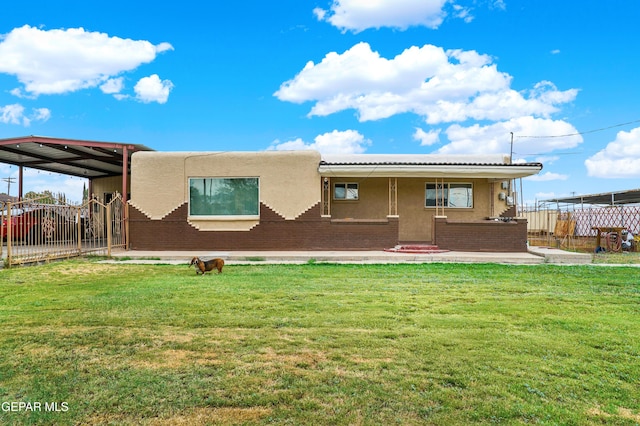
(482, 235)
(308, 232)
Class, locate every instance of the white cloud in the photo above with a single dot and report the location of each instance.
(429, 138)
(359, 15)
(336, 142)
(548, 176)
(498, 4)
(40, 181)
(12, 114)
(152, 89)
(41, 114)
(619, 159)
(463, 13)
(66, 60)
(15, 114)
(546, 159)
(442, 86)
(112, 86)
(496, 137)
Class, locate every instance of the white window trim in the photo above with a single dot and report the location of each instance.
(346, 185)
(448, 185)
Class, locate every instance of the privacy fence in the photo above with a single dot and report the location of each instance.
(577, 226)
(39, 231)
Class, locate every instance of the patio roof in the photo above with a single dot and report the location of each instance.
(493, 166)
(631, 196)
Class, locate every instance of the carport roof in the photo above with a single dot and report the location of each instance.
(631, 196)
(82, 158)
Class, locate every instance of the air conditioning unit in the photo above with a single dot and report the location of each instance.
(502, 196)
(510, 201)
(505, 184)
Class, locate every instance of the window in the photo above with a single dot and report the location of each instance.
(452, 195)
(345, 191)
(224, 197)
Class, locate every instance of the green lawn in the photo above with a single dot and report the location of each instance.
(440, 344)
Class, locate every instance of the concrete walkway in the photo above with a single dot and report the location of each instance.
(536, 255)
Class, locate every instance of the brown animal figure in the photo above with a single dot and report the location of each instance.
(206, 266)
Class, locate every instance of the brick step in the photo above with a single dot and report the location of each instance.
(416, 248)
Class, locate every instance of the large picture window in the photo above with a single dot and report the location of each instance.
(451, 195)
(224, 197)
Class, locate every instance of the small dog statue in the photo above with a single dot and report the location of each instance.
(206, 266)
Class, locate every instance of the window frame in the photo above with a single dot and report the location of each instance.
(447, 196)
(229, 217)
(346, 191)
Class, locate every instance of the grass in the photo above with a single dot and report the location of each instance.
(622, 258)
(320, 344)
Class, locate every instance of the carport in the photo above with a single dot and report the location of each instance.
(591, 220)
(39, 231)
(80, 158)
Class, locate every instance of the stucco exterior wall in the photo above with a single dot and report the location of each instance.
(288, 182)
(416, 220)
(372, 203)
(100, 186)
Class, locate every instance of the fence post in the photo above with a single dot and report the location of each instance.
(126, 227)
(1, 228)
(79, 229)
(108, 229)
(9, 236)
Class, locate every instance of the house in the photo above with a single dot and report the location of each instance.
(302, 200)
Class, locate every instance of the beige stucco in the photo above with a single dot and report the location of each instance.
(107, 185)
(288, 181)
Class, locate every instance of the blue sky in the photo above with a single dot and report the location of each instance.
(390, 76)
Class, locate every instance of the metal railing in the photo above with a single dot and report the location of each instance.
(35, 231)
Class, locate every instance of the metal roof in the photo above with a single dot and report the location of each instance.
(493, 166)
(631, 196)
(415, 159)
(88, 159)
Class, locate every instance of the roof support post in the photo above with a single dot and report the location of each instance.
(393, 196)
(326, 197)
(125, 172)
(125, 180)
(20, 178)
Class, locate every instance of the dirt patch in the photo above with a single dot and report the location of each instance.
(207, 416)
(623, 413)
(304, 359)
(83, 270)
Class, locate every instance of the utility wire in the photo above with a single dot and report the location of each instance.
(580, 133)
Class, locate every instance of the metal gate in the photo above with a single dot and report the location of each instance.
(35, 231)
